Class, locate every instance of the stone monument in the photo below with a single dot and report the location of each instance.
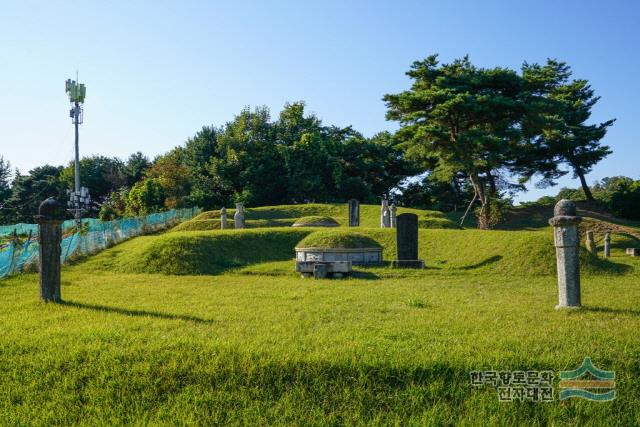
(407, 242)
(591, 244)
(565, 232)
(223, 218)
(354, 213)
(238, 217)
(49, 219)
(607, 245)
(385, 220)
(392, 215)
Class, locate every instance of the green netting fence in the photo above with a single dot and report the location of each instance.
(19, 242)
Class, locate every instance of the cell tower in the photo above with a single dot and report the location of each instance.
(79, 199)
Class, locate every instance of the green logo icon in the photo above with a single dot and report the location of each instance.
(588, 382)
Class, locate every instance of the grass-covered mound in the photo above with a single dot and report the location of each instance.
(339, 239)
(214, 224)
(444, 251)
(201, 225)
(369, 215)
(316, 221)
(203, 252)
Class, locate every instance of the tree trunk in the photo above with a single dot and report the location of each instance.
(585, 187)
(484, 218)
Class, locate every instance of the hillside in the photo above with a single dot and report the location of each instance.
(444, 251)
(286, 215)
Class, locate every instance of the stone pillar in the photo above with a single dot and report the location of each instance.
(49, 219)
(392, 215)
(223, 218)
(407, 242)
(607, 245)
(354, 213)
(238, 217)
(385, 220)
(565, 231)
(591, 244)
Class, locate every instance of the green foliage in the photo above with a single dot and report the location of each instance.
(28, 191)
(115, 206)
(621, 195)
(294, 159)
(316, 220)
(460, 118)
(562, 134)
(341, 239)
(136, 167)
(100, 174)
(491, 125)
(146, 197)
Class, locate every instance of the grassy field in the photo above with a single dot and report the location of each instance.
(245, 341)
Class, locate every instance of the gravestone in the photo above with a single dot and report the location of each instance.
(633, 251)
(591, 243)
(354, 213)
(223, 218)
(407, 242)
(385, 220)
(607, 245)
(238, 217)
(49, 219)
(567, 242)
(393, 214)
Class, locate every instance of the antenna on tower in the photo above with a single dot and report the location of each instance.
(79, 198)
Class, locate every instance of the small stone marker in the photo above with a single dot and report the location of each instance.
(223, 218)
(607, 245)
(385, 220)
(354, 213)
(319, 271)
(633, 251)
(238, 217)
(49, 219)
(393, 211)
(407, 242)
(591, 244)
(565, 232)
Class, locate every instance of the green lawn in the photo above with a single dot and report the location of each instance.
(247, 348)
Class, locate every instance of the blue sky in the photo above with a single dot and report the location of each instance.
(156, 71)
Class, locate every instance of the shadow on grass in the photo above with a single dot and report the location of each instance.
(138, 313)
(488, 261)
(626, 311)
(368, 275)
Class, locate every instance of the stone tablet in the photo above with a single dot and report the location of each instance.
(607, 245)
(354, 213)
(385, 220)
(223, 218)
(407, 242)
(238, 217)
(591, 243)
(393, 215)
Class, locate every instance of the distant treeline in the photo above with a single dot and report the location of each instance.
(469, 139)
